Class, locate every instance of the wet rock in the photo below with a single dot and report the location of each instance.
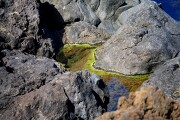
(166, 77)
(148, 103)
(147, 38)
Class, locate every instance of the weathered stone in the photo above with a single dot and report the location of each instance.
(39, 88)
(147, 38)
(148, 104)
(166, 77)
(82, 32)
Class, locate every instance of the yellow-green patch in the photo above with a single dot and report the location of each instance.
(76, 57)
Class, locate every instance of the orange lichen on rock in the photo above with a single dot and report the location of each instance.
(147, 104)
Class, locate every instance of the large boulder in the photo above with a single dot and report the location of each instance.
(167, 78)
(83, 32)
(147, 38)
(147, 104)
(24, 25)
(39, 88)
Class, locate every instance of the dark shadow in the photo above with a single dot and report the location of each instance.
(100, 102)
(51, 25)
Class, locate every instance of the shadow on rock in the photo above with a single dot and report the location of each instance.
(51, 25)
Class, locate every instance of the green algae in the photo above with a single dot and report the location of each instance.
(76, 57)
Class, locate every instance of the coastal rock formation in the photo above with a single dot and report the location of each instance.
(167, 78)
(147, 38)
(39, 88)
(83, 32)
(24, 25)
(148, 104)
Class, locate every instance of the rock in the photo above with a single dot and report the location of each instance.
(23, 73)
(166, 77)
(107, 8)
(108, 26)
(147, 38)
(82, 32)
(148, 104)
(39, 88)
(88, 94)
(24, 26)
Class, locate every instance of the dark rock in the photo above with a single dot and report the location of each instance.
(39, 88)
(24, 26)
(147, 38)
(167, 78)
(23, 73)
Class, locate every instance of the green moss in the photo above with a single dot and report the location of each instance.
(77, 57)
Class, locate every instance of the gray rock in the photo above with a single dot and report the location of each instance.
(26, 27)
(39, 88)
(82, 32)
(89, 99)
(109, 26)
(107, 8)
(147, 38)
(166, 77)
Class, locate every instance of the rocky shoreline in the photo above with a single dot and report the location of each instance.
(137, 37)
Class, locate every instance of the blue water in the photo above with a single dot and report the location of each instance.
(172, 7)
(116, 90)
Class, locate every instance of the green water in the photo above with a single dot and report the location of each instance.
(76, 57)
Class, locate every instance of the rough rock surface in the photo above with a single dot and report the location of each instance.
(24, 25)
(83, 32)
(146, 104)
(167, 78)
(147, 38)
(39, 88)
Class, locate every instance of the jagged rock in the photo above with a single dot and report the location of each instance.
(147, 38)
(39, 88)
(167, 78)
(82, 32)
(147, 104)
(24, 26)
(23, 73)
(88, 93)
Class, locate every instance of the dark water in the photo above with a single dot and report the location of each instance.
(116, 90)
(172, 7)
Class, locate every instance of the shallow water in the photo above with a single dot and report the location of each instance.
(172, 7)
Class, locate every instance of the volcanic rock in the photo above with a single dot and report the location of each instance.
(34, 87)
(147, 104)
(167, 78)
(147, 38)
(83, 32)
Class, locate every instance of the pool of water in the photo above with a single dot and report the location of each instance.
(172, 7)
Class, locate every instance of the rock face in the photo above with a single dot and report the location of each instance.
(83, 32)
(167, 79)
(39, 88)
(148, 104)
(24, 26)
(147, 38)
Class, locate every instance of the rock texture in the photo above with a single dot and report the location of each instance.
(167, 78)
(147, 38)
(24, 26)
(83, 32)
(39, 88)
(146, 104)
